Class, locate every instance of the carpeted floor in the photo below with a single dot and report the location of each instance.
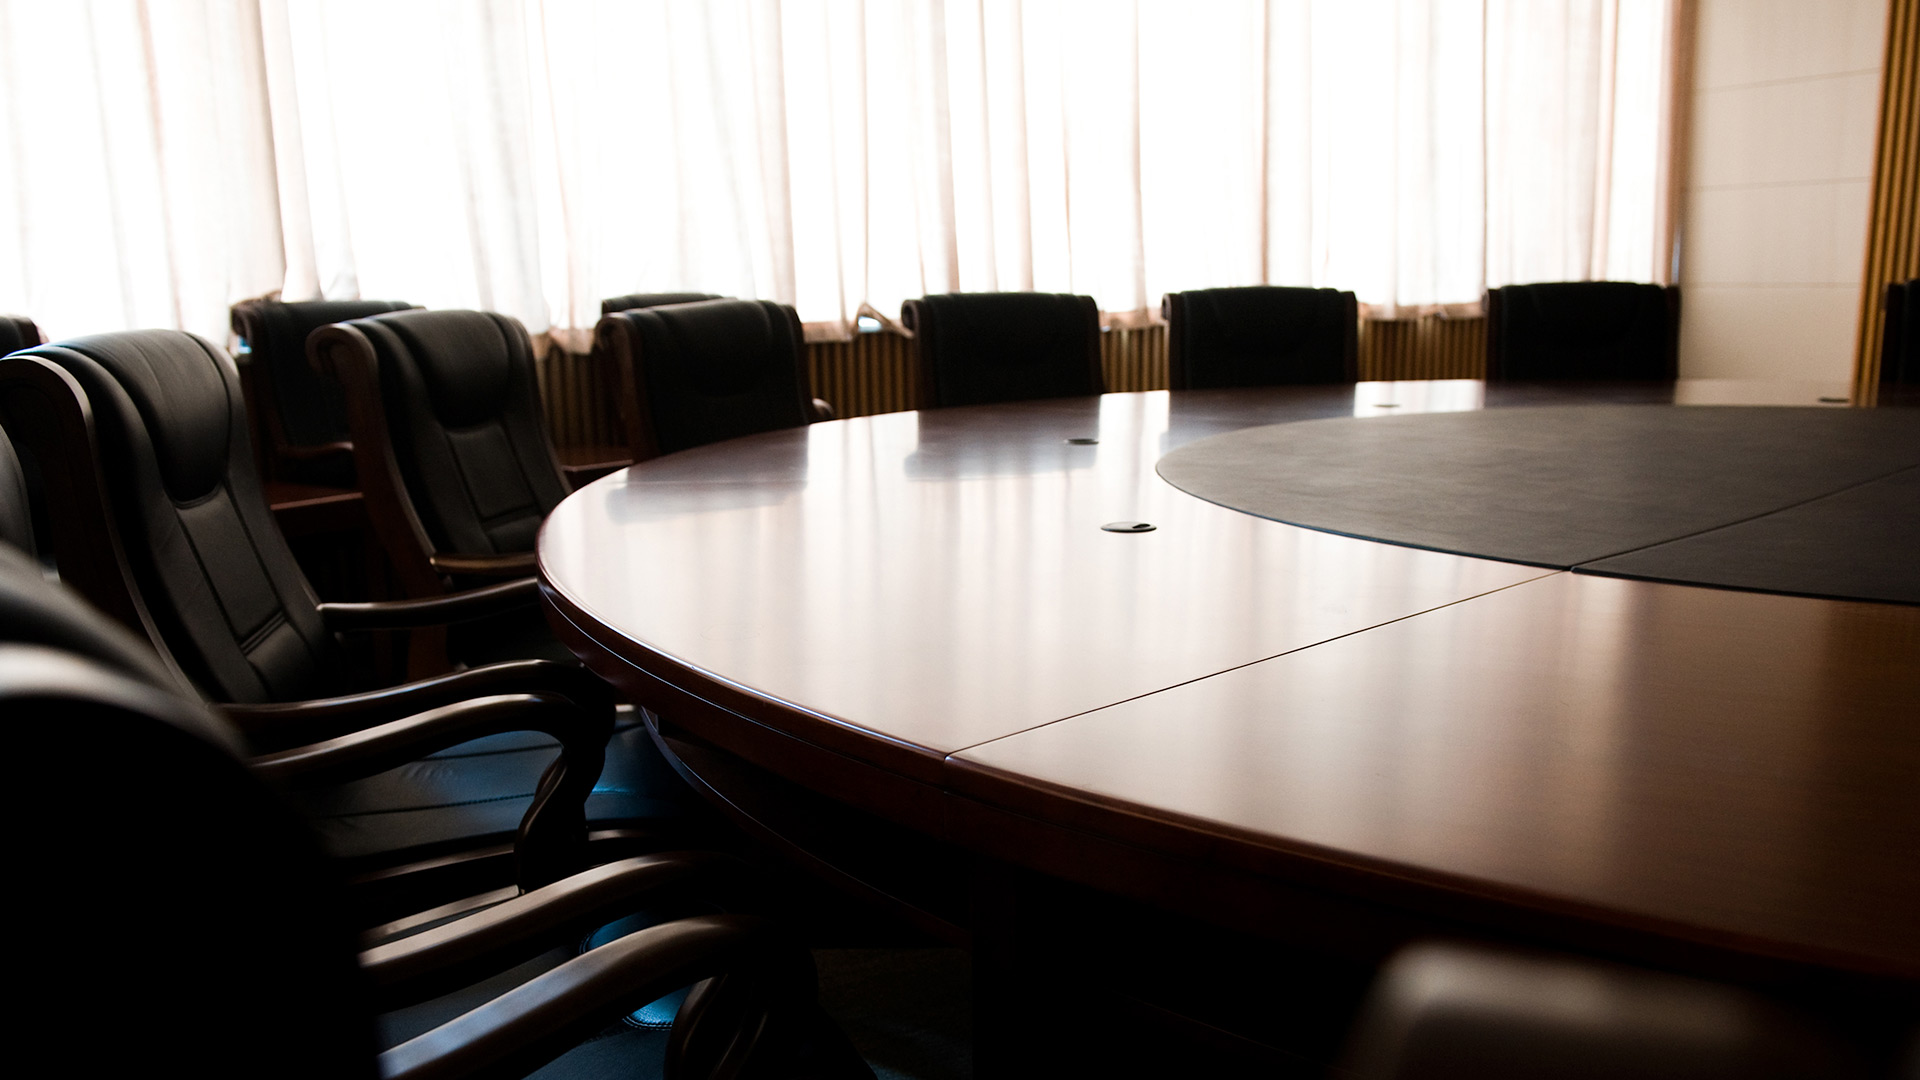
(908, 1011)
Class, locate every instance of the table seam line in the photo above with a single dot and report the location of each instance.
(1576, 567)
(1551, 571)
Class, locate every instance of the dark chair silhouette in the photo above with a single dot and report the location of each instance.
(692, 374)
(219, 921)
(299, 416)
(1452, 1010)
(1900, 338)
(16, 522)
(1260, 335)
(17, 333)
(981, 348)
(157, 517)
(1596, 330)
(653, 299)
(450, 440)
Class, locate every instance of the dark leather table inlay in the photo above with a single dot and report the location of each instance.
(1637, 491)
(1303, 733)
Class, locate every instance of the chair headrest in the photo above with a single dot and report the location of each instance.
(285, 327)
(183, 390)
(721, 347)
(652, 299)
(466, 359)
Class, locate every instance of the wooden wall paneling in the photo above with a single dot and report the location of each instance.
(1134, 359)
(1428, 348)
(867, 374)
(1893, 228)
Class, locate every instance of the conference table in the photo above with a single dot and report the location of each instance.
(938, 658)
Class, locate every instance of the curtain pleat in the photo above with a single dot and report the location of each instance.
(532, 156)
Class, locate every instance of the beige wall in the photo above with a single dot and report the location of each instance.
(1785, 100)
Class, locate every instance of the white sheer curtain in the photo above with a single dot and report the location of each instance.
(532, 156)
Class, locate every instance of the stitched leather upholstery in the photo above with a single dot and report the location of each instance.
(1260, 335)
(980, 348)
(1583, 330)
(652, 299)
(222, 586)
(704, 372)
(309, 406)
(1900, 340)
(17, 333)
(463, 410)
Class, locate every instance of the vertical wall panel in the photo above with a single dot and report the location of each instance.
(1893, 230)
(1429, 348)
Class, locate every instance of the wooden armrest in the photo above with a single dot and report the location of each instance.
(279, 727)
(432, 610)
(385, 746)
(542, 1018)
(469, 949)
(511, 564)
(822, 410)
(1443, 1009)
(553, 833)
(316, 451)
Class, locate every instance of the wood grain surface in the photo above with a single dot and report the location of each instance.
(918, 615)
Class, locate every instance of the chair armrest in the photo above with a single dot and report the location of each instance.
(822, 410)
(431, 610)
(542, 1018)
(1443, 1009)
(385, 746)
(316, 451)
(511, 564)
(469, 949)
(282, 726)
(553, 834)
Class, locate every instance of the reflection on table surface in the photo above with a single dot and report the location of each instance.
(931, 593)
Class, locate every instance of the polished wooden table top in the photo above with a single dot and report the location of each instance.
(930, 595)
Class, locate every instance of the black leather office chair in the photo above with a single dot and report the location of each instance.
(17, 333)
(692, 374)
(981, 348)
(299, 416)
(452, 447)
(1900, 339)
(160, 522)
(207, 937)
(1596, 330)
(632, 301)
(1260, 335)
(1443, 1010)
(16, 521)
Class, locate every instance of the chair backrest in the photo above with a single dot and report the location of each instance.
(1596, 330)
(653, 299)
(218, 587)
(980, 348)
(17, 332)
(155, 852)
(1900, 339)
(1261, 335)
(446, 404)
(296, 406)
(16, 520)
(692, 374)
(1452, 1009)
